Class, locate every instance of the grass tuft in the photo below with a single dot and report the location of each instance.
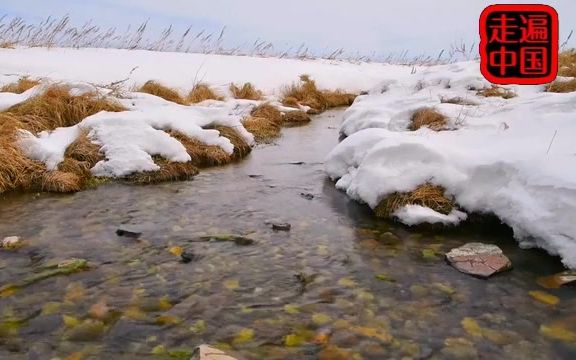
(61, 182)
(457, 100)
(295, 118)
(247, 91)
(169, 171)
(496, 91)
(306, 93)
(263, 129)
(202, 155)
(56, 107)
(427, 195)
(154, 88)
(428, 117)
(201, 92)
(562, 86)
(267, 111)
(567, 63)
(20, 86)
(241, 147)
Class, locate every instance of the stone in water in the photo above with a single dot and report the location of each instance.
(477, 259)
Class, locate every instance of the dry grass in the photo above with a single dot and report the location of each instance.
(20, 86)
(201, 92)
(496, 91)
(428, 117)
(247, 91)
(295, 118)
(427, 195)
(267, 111)
(263, 129)
(457, 100)
(562, 86)
(169, 171)
(241, 147)
(166, 93)
(202, 155)
(56, 107)
(61, 182)
(567, 63)
(306, 93)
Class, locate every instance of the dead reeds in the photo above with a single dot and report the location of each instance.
(20, 86)
(306, 93)
(155, 88)
(428, 117)
(246, 91)
(496, 91)
(201, 92)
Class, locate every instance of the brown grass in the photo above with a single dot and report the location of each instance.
(496, 91)
(247, 91)
(457, 100)
(201, 92)
(429, 118)
(562, 86)
(57, 108)
(267, 111)
(262, 128)
(20, 86)
(169, 171)
(241, 147)
(7, 45)
(61, 182)
(295, 118)
(567, 63)
(202, 155)
(154, 88)
(306, 93)
(427, 195)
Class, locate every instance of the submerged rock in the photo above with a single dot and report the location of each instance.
(128, 233)
(557, 280)
(477, 259)
(307, 196)
(205, 352)
(11, 243)
(281, 226)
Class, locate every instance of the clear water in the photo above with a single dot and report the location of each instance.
(315, 287)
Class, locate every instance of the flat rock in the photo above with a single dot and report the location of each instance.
(205, 352)
(11, 242)
(128, 233)
(478, 259)
(281, 226)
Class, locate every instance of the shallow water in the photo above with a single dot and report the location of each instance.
(314, 288)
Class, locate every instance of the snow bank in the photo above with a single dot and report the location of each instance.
(499, 157)
(180, 70)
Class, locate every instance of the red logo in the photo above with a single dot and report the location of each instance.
(519, 44)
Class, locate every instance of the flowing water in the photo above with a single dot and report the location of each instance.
(339, 285)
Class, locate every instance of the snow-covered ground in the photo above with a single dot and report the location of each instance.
(514, 158)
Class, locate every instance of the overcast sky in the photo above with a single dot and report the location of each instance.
(380, 26)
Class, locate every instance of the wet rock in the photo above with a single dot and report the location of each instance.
(281, 226)
(129, 233)
(205, 352)
(11, 243)
(187, 257)
(558, 280)
(477, 259)
(389, 238)
(307, 196)
(237, 239)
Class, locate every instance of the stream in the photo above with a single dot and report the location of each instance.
(339, 285)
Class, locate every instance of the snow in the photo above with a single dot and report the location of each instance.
(416, 214)
(514, 158)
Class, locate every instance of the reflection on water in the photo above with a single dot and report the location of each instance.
(339, 285)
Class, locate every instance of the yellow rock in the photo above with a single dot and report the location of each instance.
(472, 327)
(51, 308)
(544, 297)
(168, 320)
(231, 284)
(245, 335)
(347, 282)
(199, 327)
(164, 303)
(70, 321)
(293, 340)
(176, 250)
(321, 319)
(379, 334)
(291, 309)
(558, 332)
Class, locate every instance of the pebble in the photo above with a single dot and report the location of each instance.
(478, 259)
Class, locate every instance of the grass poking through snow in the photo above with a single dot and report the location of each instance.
(306, 93)
(20, 86)
(154, 88)
(247, 91)
(427, 195)
(567, 63)
(496, 91)
(428, 117)
(201, 92)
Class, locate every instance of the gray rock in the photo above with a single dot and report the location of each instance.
(477, 259)
(128, 233)
(11, 242)
(281, 226)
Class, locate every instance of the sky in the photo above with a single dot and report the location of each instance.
(363, 26)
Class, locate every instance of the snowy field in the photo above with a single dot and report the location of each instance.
(515, 158)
